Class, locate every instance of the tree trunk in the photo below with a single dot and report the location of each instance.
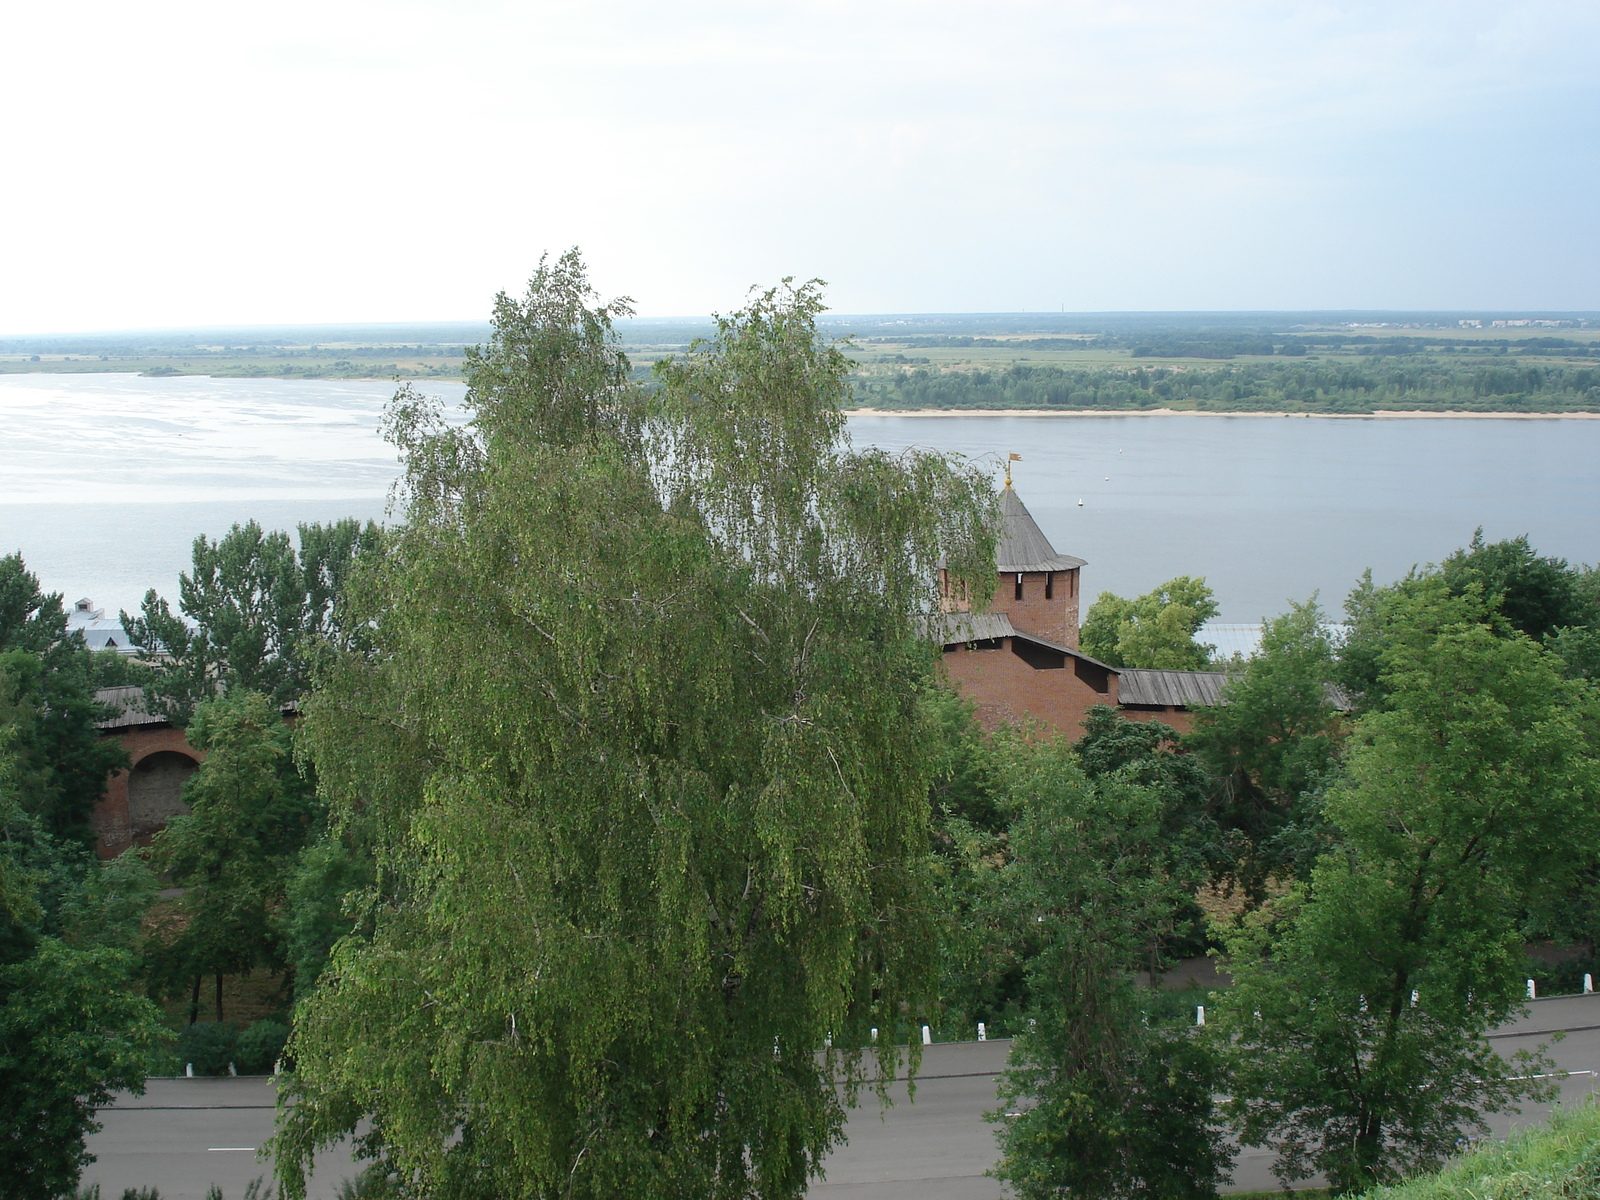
(219, 999)
(1368, 1156)
(194, 1000)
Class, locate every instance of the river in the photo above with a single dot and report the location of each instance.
(106, 479)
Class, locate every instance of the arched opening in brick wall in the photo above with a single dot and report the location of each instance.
(155, 790)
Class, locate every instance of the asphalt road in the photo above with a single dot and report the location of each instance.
(185, 1134)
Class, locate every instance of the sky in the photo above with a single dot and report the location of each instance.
(179, 164)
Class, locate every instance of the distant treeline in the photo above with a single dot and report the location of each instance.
(1301, 386)
(1224, 344)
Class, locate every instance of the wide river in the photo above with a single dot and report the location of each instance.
(106, 479)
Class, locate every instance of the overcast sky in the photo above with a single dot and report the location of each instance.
(209, 163)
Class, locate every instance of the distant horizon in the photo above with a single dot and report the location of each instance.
(834, 318)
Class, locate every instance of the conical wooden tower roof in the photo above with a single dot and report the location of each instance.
(1023, 545)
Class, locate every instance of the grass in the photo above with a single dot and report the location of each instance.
(1558, 1160)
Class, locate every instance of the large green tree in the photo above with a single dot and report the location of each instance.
(1156, 630)
(639, 726)
(255, 613)
(251, 814)
(71, 1028)
(1269, 748)
(1505, 585)
(986, 954)
(48, 680)
(1111, 1096)
(1360, 1000)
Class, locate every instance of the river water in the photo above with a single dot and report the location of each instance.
(106, 479)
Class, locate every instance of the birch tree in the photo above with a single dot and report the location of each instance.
(638, 743)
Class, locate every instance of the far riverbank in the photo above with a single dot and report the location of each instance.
(1189, 412)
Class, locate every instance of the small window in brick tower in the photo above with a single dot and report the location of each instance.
(1050, 585)
(1019, 585)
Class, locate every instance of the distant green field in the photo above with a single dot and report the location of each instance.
(1194, 362)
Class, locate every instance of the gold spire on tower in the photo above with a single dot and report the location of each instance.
(1011, 458)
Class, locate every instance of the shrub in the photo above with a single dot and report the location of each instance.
(209, 1045)
(259, 1046)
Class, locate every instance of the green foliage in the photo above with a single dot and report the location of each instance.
(1268, 750)
(211, 1047)
(1107, 1096)
(79, 898)
(639, 743)
(47, 686)
(258, 614)
(965, 786)
(1508, 588)
(29, 620)
(1356, 1020)
(1506, 585)
(330, 876)
(259, 1047)
(1155, 630)
(71, 1032)
(1151, 754)
(251, 814)
(1300, 386)
(985, 953)
(1578, 648)
(207, 1046)
(71, 1029)
(1530, 593)
(371, 1184)
(981, 951)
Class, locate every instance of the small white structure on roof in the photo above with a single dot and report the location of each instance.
(99, 631)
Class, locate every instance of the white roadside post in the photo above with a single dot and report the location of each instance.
(1533, 992)
(983, 1032)
(1588, 985)
(927, 1036)
(1200, 1015)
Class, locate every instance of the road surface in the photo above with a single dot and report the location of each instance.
(183, 1135)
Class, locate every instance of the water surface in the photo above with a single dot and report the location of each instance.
(106, 479)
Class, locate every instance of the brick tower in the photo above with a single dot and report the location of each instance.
(1037, 588)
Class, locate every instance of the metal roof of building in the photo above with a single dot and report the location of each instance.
(1195, 689)
(99, 631)
(1171, 689)
(130, 706)
(954, 629)
(132, 712)
(1023, 546)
